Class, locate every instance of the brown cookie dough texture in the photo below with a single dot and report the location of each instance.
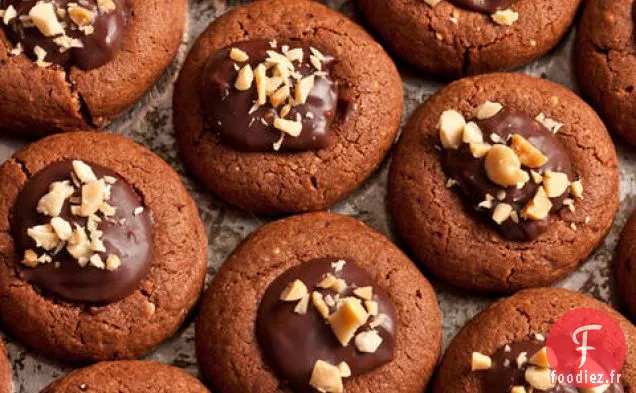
(272, 183)
(127, 376)
(6, 380)
(227, 349)
(458, 245)
(606, 63)
(448, 40)
(514, 319)
(38, 101)
(130, 327)
(626, 268)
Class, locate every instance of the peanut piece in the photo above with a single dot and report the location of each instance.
(505, 17)
(503, 166)
(365, 293)
(555, 183)
(539, 378)
(294, 291)
(451, 129)
(368, 342)
(347, 319)
(488, 109)
(472, 134)
(539, 207)
(501, 213)
(245, 78)
(529, 155)
(540, 358)
(44, 18)
(480, 362)
(326, 378)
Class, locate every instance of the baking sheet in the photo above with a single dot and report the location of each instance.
(150, 123)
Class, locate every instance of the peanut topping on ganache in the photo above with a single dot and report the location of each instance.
(523, 367)
(262, 95)
(499, 10)
(72, 221)
(84, 33)
(510, 166)
(326, 313)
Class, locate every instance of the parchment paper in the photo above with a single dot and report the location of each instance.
(150, 123)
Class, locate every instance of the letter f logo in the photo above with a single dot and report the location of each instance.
(583, 348)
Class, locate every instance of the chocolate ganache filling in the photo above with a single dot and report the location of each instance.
(262, 95)
(84, 233)
(544, 172)
(511, 363)
(325, 313)
(484, 6)
(82, 33)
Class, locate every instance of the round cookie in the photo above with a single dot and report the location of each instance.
(131, 376)
(126, 48)
(127, 275)
(363, 126)
(605, 60)
(522, 319)
(454, 235)
(625, 273)
(233, 329)
(462, 37)
(6, 381)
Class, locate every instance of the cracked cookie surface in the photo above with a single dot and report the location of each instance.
(606, 62)
(129, 377)
(38, 101)
(83, 332)
(227, 348)
(447, 235)
(273, 183)
(448, 40)
(515, 319)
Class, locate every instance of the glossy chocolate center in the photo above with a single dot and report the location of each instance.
(474, 184)
(233, 115)
(483, 6)
(126, 234)
(506, 373)
(100, 34)
(292, 343)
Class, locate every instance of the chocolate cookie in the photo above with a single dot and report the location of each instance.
(97, 260)
(605, 60)
(503, 181)
(69, 65)
(498, 337)
(625, 272)
(285, 107)
(127, 376)
(462, 37)
(318, 302)
(6, 381)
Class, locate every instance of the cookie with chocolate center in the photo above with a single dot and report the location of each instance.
(90, 241)
(291, 117)
(129, 376)
(504, 348)
(70, 65)
(465, 37)
(625, 269)
(496, 186)
(605, 60)
(312, 310)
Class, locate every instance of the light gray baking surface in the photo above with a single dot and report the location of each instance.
(150, 123)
